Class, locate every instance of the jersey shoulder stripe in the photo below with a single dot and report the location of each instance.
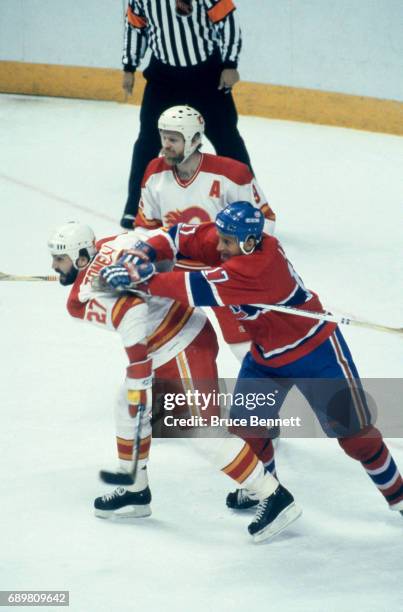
(156, 165)
(201, 290)
(231, 169)
(102, 241)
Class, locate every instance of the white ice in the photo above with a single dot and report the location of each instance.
(337, 194)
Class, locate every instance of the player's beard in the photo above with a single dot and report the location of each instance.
(69, 278)
(173, 160)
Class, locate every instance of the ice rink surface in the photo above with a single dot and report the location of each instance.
(337, 194)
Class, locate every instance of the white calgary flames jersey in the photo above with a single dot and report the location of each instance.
(167, 200)
(168, 325)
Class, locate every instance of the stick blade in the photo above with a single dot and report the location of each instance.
(17, 277)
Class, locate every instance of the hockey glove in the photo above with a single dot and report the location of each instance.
(140, 253)
(140, 273)
(125, 276)
(115, 276)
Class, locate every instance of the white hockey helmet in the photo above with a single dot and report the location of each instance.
(70, 238)
(185, 120)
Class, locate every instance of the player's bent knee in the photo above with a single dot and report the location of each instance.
(363, 445)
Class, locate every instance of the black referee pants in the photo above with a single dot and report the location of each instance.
(197, 87)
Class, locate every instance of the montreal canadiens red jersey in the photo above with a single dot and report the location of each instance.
(248, 284)
(167, 199)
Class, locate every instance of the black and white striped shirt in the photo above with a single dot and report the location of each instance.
(179, 40)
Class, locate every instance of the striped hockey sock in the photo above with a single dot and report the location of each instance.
(271, 467)
(243, 464)
(264, 450)
(125, 448)
(369, 448)
(383, 472)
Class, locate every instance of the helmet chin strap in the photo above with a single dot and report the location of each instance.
(188, 151)
(183, 160)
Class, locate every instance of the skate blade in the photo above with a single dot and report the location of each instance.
(126, 512)
(285, 518)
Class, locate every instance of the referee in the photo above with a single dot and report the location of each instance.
(194, 46)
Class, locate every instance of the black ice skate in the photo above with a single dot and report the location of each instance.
(273, 514)
(122, 479)
(240, 500)
(123, 504)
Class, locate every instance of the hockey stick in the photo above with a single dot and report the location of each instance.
(320, 316)
(136, 451)
(327, 316)
(16, 277)
(129, 477)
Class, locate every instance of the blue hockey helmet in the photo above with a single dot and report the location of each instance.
(242, 221)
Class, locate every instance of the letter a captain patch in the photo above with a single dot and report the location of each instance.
(215, 190)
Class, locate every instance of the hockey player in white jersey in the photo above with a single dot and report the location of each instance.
(174, 341)
(163, 337)
(186, 185)
(189, 186)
